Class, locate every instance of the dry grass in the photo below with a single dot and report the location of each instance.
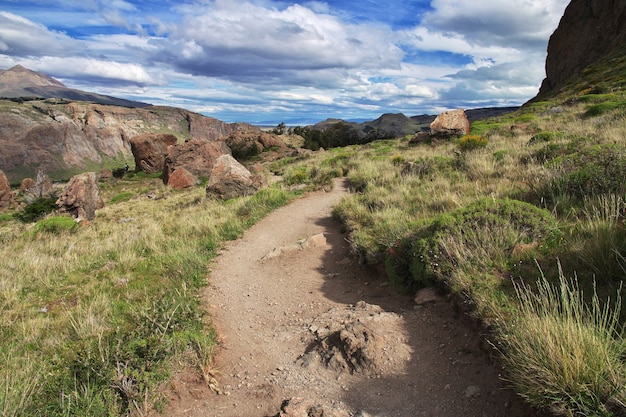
(564, 353)
(105, 308)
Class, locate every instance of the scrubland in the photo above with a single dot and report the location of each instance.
(522, 222)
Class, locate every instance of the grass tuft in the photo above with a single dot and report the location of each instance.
(563, 353)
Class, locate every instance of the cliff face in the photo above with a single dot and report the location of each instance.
(64, 138)
(588, 30)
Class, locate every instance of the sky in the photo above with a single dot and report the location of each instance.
(298, 62)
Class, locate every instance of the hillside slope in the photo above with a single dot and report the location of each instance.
(65, 138)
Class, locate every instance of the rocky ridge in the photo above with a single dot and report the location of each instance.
(60, 137)
(588, 30)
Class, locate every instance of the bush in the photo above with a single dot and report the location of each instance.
(37, 209)
(56, 224)
(471, 142)
(483, 232)
(602, 108)
(123, 196)
(545, 137)
(592, 171)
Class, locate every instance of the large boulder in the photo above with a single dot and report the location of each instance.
(81, 197)
(449, 124)
(230, 179)
(181, 178)
(588, 30)
(6, 194)
(246, 144)
(196, 156)
(149, 151)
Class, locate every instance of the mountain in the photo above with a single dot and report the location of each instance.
(588, 30)
(19, 82)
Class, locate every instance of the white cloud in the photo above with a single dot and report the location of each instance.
(521, 24)
(245, 41)
(262, 56)
(22, 37)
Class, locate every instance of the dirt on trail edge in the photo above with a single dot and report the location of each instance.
(306, 331)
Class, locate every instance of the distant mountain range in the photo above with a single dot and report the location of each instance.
(19, 82)
(398, 124)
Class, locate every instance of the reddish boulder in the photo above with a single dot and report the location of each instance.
(230, 179)
(149, 151)
(26, 185)
(196, 156)
(6, 194)
(181, 178)
(81, 197)
(449, 124)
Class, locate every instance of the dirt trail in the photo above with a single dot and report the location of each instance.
(276, 316)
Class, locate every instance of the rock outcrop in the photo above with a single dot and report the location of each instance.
(196, 156)
(229, 179)
(149, 151)
(58, 137)
(81, 197)
(450, 123)
(588, 30)
(6, 194)
(244, 144)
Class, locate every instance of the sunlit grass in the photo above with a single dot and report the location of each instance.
(98, 312)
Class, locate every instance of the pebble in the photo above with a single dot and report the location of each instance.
(472, 391)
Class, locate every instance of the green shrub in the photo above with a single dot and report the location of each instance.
(602, 108)
(471, 142)
(56, 224)
(244, 150)
(592, 171)
(123, 196)
(37, 209)
(6, 217)
(499, 156)
(485, 231)
(298, 175)
(545, 137)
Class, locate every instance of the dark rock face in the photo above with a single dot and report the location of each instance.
(588, 30)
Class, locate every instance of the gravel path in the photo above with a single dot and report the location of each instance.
(281, 310)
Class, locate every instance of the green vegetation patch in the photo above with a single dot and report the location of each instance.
(603, 108)
(56, 224)
(37, 209)
(484, 233)
(121, 197)
(595, 170)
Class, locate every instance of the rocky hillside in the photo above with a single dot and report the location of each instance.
(64, 138)
(589, 29)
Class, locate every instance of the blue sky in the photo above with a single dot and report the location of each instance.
(266, 61)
